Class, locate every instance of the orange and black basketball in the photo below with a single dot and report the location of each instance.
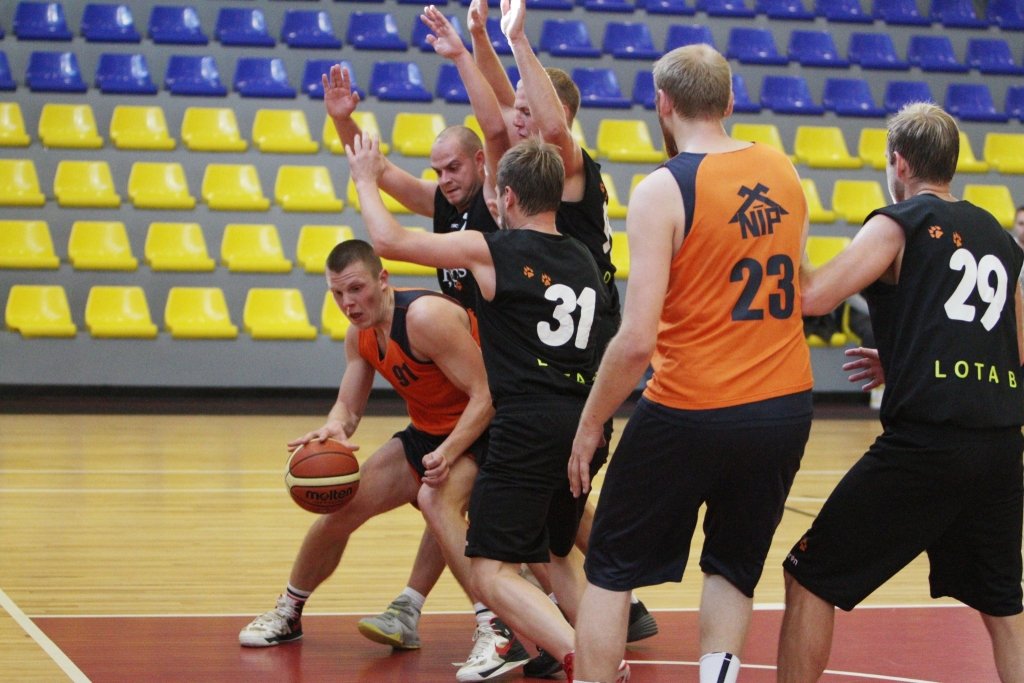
(322, 476)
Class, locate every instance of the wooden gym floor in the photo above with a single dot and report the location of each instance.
(134, 547)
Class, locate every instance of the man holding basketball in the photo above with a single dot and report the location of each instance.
(425, 345)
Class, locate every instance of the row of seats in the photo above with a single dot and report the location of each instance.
(122, 311)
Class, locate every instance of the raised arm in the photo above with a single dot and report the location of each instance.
(340, 100)
(487, 59)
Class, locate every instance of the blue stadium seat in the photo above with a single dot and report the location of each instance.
(312, 83)
(677, 7)
(679, 35)
(374, 31)
(850, 97)
(1, 31)
(815, 48)
(788, 95)
(242, 26)
(972, 102)
(875, 51)
(176, 25)
(420, 31)
(41, 21)
(643, 89)
(784, 9)
(725, 8)
(846, 11)
(449, 85)
(1014, 101)
(899, 93)
(310, 29)
(54, 72)
(567, 38)
(1006, 14)
(497, 38)
(557, 5)
(599, 87)
(956, 14)
(420, 3)
(398, 82)
(629, 40)
(124, 74)
(6, 78)
(900, 13)
(741, 98)
(753, 46)
(262, 77)
(103, 23)
(193, 75)
(933, 53)
(991, 56)
(619, 6)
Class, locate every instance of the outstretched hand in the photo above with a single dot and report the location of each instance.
(340, 99)
(513, 18)
(365, 161)
(443, 37)
(867, 365)
(331, 430)
(476, 18)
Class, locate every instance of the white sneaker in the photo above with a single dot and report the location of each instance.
(496, 650)
(279, 625)
(396, 626)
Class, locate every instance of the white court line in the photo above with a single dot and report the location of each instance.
(48, 646)
(771, 667)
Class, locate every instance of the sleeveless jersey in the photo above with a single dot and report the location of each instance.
(459, 283)
(947, 332)
(543, 332)
(433, 402)
(731, 330)
(587, 221)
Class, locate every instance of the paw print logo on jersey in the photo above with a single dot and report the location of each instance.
(802, 544)
(545, 279)
(935, 231)
(957, 240)
(528, 271)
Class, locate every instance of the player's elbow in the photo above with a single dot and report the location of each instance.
(813, 301)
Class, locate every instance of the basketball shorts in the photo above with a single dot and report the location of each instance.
(739, 461)
(521, 508)
(418, 443)
(951, 493)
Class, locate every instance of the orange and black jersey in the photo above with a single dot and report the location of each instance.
(433, 402)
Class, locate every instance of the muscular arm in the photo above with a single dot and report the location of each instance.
(487, 59)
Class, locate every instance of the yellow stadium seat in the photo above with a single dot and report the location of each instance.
(157, 185)
(815, 210)
(967, 162)
(332, 321)
(134, 127)
(306, 188)
(405, 268)
(39, 311)
(85, 183)
(177, 246)
(26, 244)
(871, 146)
(616, 209)
(996, 199)
(198, 313)
(763, 133)
(413, 134)
(581, 139)
(821, 249)
(233, 187)
(316, 242)
(69, 125)
(283, 130)
(1005, 152)
(471, 122)
(823, 147)
(12, 126)
(367, 122)
(19, 184)
(116, 311)
(390, 203)
(620, 255)
(100, 245)
(627, 140)
(855, 199)
(253, 248)
(277, 314)
(211, 129)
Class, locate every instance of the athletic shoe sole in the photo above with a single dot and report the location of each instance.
(259, 641)
(393, 639)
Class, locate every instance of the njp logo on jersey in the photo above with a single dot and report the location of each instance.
(757, 215)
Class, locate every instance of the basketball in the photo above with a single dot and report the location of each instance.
(322, 477)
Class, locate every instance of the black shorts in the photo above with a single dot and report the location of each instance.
(739, 461)
(418, 443)
(521, 508)
(953, 494)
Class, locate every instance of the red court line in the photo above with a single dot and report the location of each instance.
(947, 644)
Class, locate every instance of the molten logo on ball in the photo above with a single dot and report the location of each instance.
(322, 477)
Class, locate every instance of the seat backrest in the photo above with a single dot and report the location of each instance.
(820, 145)
(140, 127)
(643, 89)
(262, 77)
(566, 37)
(54, 72)
(753, 45)
(100, 245)
(788, 94)
(849, 11)
(816, 211)
(6, 78)
(277, 314)
(367, 122)
(450, 87)
(194, 75)
(252, 247)
(198, 313)
(332, 321)
(124, 74)
(814, 48)
(628, 40)
(316, 69)
(971, 101)
(725, 8)
(1015, 102)
(19, 183)
(1007, 14)
(763, 133)
(27, 244)
(245, 26)
(741, 97)
(871, 146)
(68, 125)
(599, 87)
(933, 53)
(119, 311)
(855, 199)
(305, 188)
(374, 31)
(996, 199)
(956, 13)
(211, 129)
(849, 97)
(900, 12)
(679, 35)
(41, 21)
(85, 183)
(228, 187)
(12, 126)
(159, 185)
(309, 29)
(177, 247)
(413, 133)
(176, 25)
(875, 51)
(1005, 151)
(398, 81)
(784, 9)
(283, 130)
(899, 93)
(822, 248)
(316, 242)
(991, 55)
(39, 311)
(109, 23)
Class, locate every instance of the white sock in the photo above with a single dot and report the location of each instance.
(719, 667)
(483, 614)
(553, 598)
(633, 599)
(415, 597)
(296, 598)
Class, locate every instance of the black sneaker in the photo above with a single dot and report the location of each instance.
(544, 665)
(641, 623)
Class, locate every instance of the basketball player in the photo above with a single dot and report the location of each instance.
(543, 315)
(945, 476)
(718, 233)
(425, 345)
